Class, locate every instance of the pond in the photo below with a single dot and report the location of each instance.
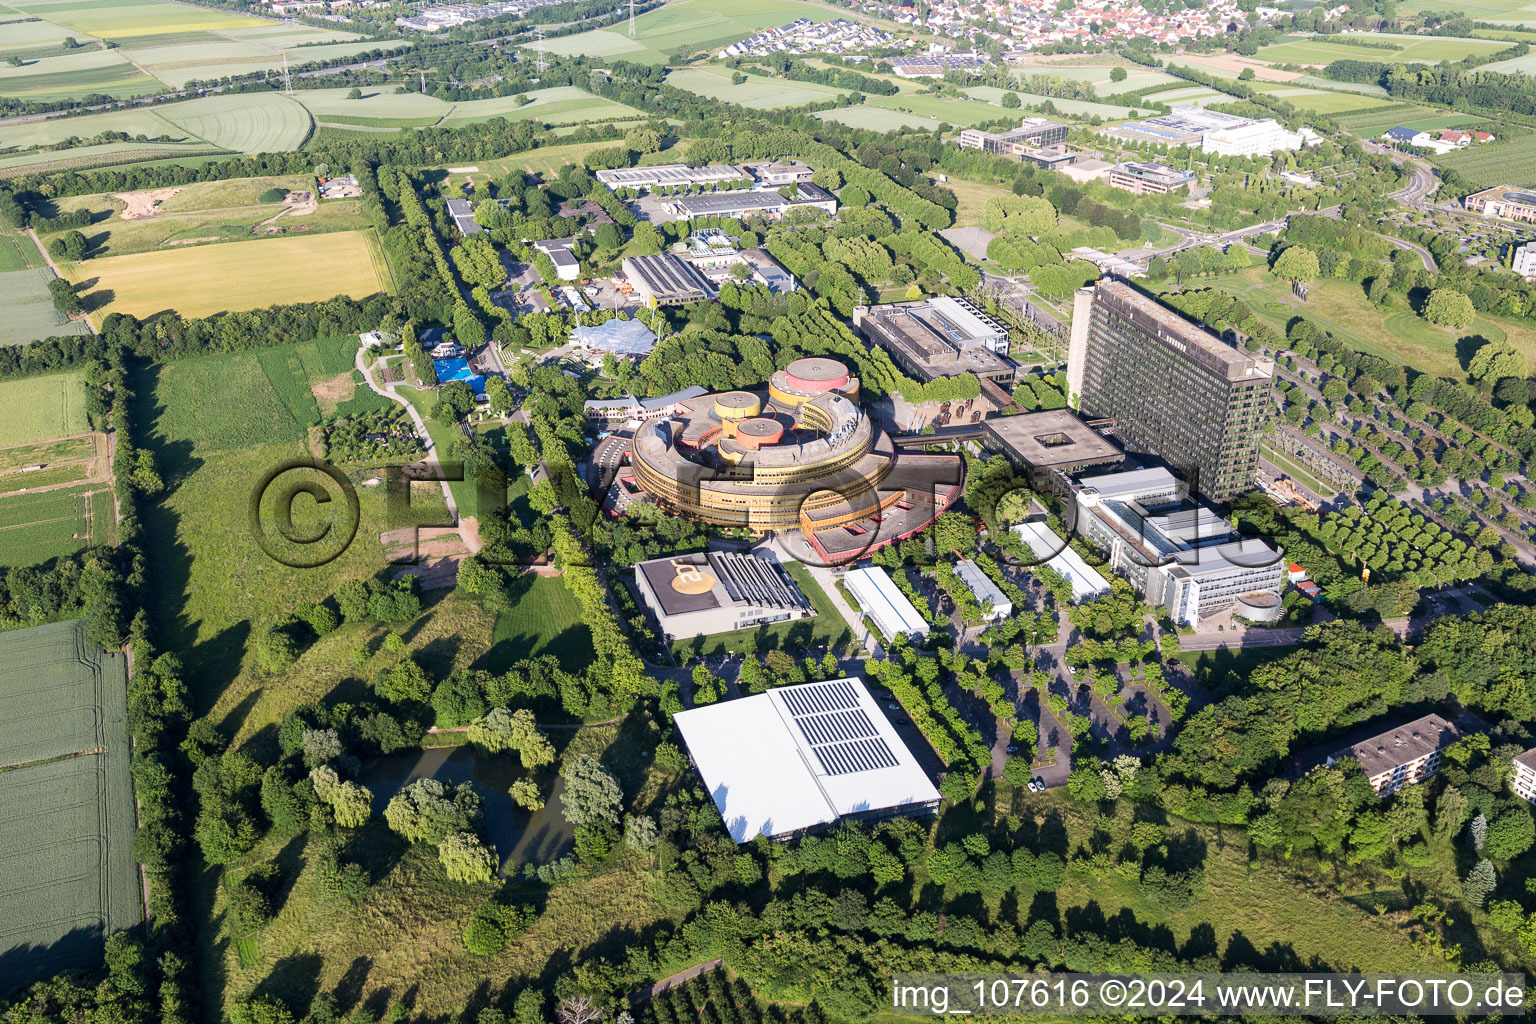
(520, 837)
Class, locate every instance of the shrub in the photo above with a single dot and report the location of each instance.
(273, 195)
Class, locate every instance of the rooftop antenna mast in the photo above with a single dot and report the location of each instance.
(631, 19)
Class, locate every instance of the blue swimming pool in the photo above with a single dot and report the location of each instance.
(458, 369)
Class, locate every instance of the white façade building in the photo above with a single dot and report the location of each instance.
(1182, 557)
(801, 758)
(883, 601)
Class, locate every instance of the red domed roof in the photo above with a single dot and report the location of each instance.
(816, 373)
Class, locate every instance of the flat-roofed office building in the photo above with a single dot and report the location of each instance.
(670, 175)
(1180, 556)
(1051, 447)
(1175, 391)
(938, 337)
(718, 591)
(1149, 179)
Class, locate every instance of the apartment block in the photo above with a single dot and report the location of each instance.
(1523, 777)
(1175, 391)
(1404, 756)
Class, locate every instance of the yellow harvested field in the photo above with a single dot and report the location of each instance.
(240, 275)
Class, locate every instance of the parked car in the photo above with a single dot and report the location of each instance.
(1013, 748)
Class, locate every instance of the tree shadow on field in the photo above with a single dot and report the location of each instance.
(79, 948)
(349, 990)
(294, 979)
(215, 663)
(230, 724)
(1466, 348)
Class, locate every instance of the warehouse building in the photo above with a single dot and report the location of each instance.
(561, 253)
(994, 603)
(718, 591)
(938, 337)
(1212, 132)
(1188, 560)
(666, 280)
(1051, 447)
(800, 759)
(885, 604)
(670, 176)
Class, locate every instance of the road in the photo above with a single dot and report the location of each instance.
(421, 430)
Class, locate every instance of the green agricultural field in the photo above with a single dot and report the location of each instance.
(17, 250)
(178, 64)
(942, 108)
(84, 72)
(1505, 162)
(198, 281)
(30, 35)
(385, 103)
(104, 155)
(1078, 108)
(129, 19)
(29, 311)
(1479, 10)
(1432, 124)
(692, 25)
(42, 408)
(1318, 102)
(45, 524)
(50, 131)
(758, 92)
(265, 122)
(561, 105)
(1426, 50)
(67, 876)
(1327, 83)
(1525, 65)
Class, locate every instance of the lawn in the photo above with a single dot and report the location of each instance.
(687, 25)
(1397, 333)
(1505, 162)
(805, 637)
(758, 92)
(42, 408)
(254, 274)
(29, 311)
(973, 198)
(1318, 102)
(67, 876)
(545, 618)
(266, 122)
(1297, 472)
(210, 212)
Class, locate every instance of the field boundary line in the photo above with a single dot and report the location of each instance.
(51, 440)
(52, 758)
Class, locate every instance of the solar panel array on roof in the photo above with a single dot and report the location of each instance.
(840, 734)
(859, 756)
(830, 696)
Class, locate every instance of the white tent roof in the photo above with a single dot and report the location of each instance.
(798, 757)
(1087, 582)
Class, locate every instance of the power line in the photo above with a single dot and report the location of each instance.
(631, 19)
